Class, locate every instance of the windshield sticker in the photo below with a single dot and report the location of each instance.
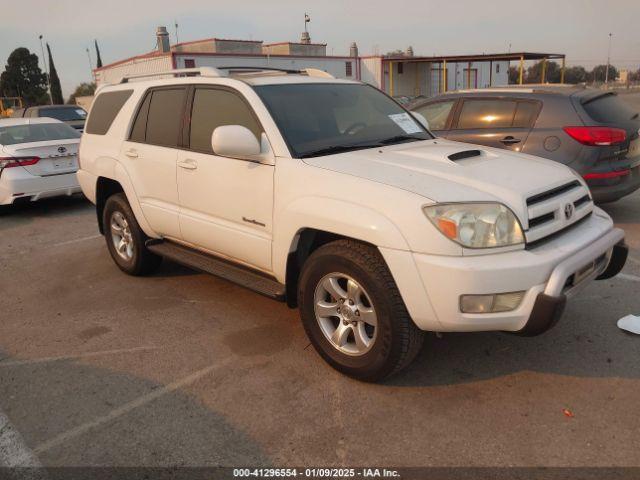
(405, 122)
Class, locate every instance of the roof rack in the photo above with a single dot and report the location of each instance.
(201, 71)
(223, 72)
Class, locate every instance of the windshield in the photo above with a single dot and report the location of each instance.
(64, 114)
(323, 118)
(37, 132)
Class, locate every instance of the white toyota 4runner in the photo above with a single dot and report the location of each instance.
(330, 196)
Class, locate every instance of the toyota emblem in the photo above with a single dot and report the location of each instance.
(62, 149)
(568, 210)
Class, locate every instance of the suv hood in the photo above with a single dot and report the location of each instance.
(424, 168)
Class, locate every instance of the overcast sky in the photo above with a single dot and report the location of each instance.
(125, 28)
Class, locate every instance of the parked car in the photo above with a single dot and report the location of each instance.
(73, 115)
(38, 159)
(592, 131)
(330, 196)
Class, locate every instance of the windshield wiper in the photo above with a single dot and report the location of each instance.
(337, 149)
(399, 138)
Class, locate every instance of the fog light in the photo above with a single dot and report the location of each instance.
(499, 302)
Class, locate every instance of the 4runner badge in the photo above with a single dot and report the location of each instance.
(568, 210)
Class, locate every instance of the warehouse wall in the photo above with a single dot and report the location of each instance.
(134, 66)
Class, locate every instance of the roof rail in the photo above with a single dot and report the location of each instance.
(201, 71)
(310, 72)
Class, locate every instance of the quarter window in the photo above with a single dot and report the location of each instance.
(104, 110)
(213, 108)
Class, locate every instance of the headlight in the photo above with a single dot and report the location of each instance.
(476, 225)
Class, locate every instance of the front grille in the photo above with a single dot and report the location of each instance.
(552, 211)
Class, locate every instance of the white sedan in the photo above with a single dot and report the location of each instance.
(38, 159)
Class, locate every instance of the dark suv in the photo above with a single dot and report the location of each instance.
(592, 131)
(72, 115)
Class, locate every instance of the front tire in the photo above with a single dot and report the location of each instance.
(125, 239)
(353, 313)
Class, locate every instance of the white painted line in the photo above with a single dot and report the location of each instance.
(14, 363)
(77, 240)
(13, 450)
(625, 276)
(123, 410)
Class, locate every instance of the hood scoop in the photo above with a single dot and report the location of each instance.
(464, 154)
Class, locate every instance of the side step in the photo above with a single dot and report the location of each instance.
(204, 262)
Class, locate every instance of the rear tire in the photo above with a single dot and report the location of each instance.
(125, 239)
(353, 313)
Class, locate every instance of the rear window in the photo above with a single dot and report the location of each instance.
(609, 109)
(486, 114)
(40, 132)
(165, 116)
(64, 114)
(104, 110)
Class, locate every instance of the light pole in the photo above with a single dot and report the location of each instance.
(46, 70)
(606, 74)
(90, 64)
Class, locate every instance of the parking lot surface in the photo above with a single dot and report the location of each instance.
(183, 369)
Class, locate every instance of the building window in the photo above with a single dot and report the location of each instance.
(348, 69)
(189, 63)
(497, 68)
(400, 68)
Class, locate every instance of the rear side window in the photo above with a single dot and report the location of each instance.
(486, 114)
(609, 109)
(436, 113)
(159, 118)
(104, 110)
(213, 108)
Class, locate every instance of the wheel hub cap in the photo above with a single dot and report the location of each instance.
(345, 314)
(121, 236)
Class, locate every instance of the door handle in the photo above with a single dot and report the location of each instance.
(509, 140)
(188, 164)
(131, 153)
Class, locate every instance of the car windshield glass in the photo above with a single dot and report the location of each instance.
(64, 114)
(38, 132)
(324, 118)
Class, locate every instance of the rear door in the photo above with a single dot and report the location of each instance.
(494, 122)
(610, 110)
(439, 114)
(150, 155)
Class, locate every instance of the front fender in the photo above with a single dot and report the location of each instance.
(334, 216)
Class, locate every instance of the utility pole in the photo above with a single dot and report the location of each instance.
(175, 22)
(606, 75)
(46, 71)
(90, 64)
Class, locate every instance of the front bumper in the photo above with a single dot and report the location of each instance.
(549, 274)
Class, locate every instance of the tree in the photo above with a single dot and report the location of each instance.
(598, 74)
(552, 73)
(514, 75)
(82, 90)
(54, 81)
(98, 58)
(575, 74)
(23, 78)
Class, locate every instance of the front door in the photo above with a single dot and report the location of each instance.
(150, 155)
(500, 123)
(226, 204)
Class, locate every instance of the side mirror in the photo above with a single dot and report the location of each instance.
(420, 118)
(235, 141)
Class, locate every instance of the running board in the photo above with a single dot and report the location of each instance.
(204, 262)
